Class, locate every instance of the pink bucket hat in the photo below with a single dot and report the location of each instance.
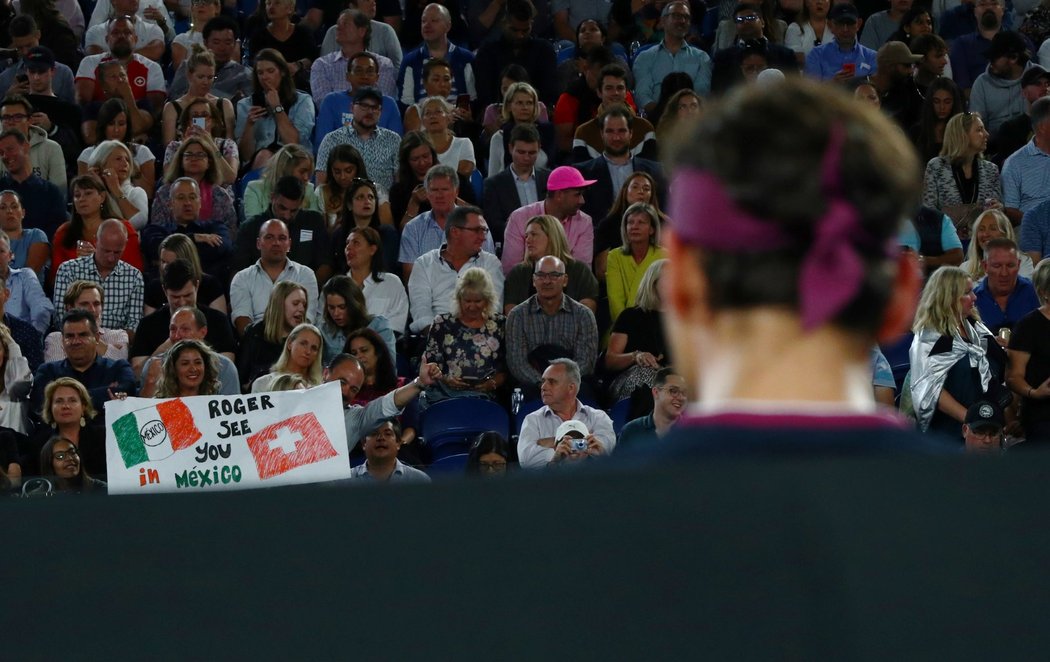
(564, 177)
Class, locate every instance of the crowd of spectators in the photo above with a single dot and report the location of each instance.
(464, 201)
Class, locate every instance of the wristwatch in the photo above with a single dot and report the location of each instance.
(278, 109)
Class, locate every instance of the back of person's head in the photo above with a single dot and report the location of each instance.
(1040, 111)
(290, 188)
(769, 195)
(600, 56)
(22, 25)
(177, 274)
(521, 10)
(927, 43)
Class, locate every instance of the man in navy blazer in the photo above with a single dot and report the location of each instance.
(519, 184)
(615, 166)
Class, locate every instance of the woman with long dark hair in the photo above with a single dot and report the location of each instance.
(408, 197)
(380, 375)
(384, 292)
(346, 311)
(276, 114)
(943, 101)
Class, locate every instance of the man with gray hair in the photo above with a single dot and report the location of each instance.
(432, 284)
(549, 325)
(121, 282)
(563, 430)
(211, 238)
(426, 231)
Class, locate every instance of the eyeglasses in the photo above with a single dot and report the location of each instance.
(480, 229)
(492, 467)
(746, 18)
(363, 70)
(70, 453)
(548, 275)
(371, 107)
(14, 117)
(674, 391)
(194, 155)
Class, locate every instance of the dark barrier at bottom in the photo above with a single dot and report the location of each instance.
(837, 559)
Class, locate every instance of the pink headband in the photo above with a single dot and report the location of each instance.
(832, 272)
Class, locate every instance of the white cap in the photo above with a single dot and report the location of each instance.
(569, 427)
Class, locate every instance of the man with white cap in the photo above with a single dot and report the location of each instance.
(564, 200)
(548, 434)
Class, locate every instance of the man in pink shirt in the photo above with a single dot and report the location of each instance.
(564, 200)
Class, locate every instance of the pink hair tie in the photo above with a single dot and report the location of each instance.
(831, 273)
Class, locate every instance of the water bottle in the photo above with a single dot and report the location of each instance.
(515, 401)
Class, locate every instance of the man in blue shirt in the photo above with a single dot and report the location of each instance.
(1003, 296)
(672, 54)
(670, 395)
(844, 58)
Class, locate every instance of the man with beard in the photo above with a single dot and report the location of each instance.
(996, 93)
(615, 164)
(144, 75)
(517, 46)
(968, 51)
(893, 79)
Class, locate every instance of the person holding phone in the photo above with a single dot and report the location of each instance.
(844, 58)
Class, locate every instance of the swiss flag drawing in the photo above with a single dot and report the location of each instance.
(294, 442)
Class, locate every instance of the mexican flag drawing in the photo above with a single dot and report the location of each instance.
(155, 433)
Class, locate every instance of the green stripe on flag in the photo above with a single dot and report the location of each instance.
(132, 450)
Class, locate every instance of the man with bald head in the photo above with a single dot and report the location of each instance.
(549, 325)
(251, 286)
(187, 323)
(121, 282)
(435, 27)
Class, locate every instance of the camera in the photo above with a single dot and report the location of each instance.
(579, 445)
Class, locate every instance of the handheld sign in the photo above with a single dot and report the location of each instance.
(226, 442)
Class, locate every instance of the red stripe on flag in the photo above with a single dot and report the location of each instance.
(178, 420)
(294, 442)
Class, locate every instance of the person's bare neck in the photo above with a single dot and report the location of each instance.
(382, 469)
(81, 366)
(565, 410)
(550, 305)
(351, 47)
(70, 431)
(758, 355)
(103, 271)
(359, 274)
(438, 47)
(21, 174)
(274, 268)
(662, 421)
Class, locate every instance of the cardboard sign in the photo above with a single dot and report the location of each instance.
(226, 442)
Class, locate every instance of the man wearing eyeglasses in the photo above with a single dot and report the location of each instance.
(44, 153)
(432, 282)
(750, 38)
(378, 146)
(982, 430)
(336, 110)
(670, 395)
(671, 55)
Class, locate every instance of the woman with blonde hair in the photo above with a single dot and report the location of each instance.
(468, 343)
(545, 235)
(640, 234)
(955, 360)
(112, 162)
(14, 372)
(289, 160)
(451, 150)
(521, 105)
(638, 187)
(961, 180)
(636, 345)
(264, 341)
(190, 368)
(200, 80)
(302, 355)
(991, 224)
(68, 412)
(198, 158)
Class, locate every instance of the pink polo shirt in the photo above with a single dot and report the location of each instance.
(578, 228)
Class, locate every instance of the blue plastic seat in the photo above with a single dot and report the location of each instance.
(449, 427)
(619, 413)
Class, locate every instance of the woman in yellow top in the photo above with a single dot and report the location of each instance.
(640, 231)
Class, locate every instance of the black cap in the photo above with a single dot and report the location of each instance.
(843, 13)
(40, 58)
(1034, 74)
(1006, 42)
(368, 92)
(985, 414)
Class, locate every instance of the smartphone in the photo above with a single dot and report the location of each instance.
(463, 101)
(22, 77)
(198, 122)
(850, 68)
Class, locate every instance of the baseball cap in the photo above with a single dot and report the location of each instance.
(896, 52)
(1006, 42)
(565, 177)
(368, 92)
(985, 414)
(39, 58)
(1034, 74)
(843, 13)
(571, 428)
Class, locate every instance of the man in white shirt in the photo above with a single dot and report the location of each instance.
(150, 38)
(433, 279)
